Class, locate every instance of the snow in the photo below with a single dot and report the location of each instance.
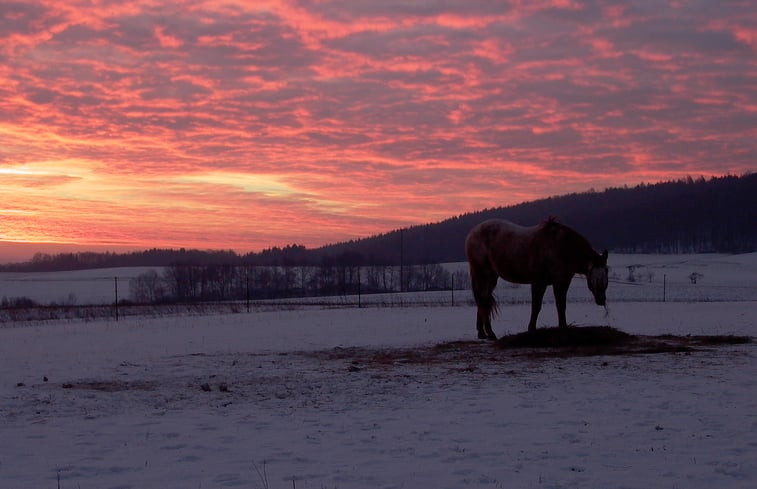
(75, 287)
(309, 406)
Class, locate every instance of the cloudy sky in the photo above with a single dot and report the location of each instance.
(247, 124)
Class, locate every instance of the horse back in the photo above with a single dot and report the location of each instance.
(505, 248)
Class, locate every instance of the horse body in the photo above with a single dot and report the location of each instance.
(543, 255)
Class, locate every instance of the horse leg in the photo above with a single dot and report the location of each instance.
(481, 309)
(537, 295)
(484, 325)
(488, 329)
(484, 282)
(481, 319)
(561, 298)
(491, 284)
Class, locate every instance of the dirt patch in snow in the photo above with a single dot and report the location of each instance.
(111, 386)
(542, 343)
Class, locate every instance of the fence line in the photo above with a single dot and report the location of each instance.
(120, 310)
(185, 283)
(30, 296)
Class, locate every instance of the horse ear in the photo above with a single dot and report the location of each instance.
(604, 257)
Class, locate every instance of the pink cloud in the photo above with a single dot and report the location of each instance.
(372, 115)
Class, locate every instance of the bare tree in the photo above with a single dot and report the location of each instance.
(147, 287)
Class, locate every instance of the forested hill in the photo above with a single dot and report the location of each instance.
(686, 216)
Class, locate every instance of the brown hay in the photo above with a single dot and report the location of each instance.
(604, 340)
(566, 337)
(111, 386)
(721, 340)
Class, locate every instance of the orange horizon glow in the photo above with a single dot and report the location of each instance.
(255, 124)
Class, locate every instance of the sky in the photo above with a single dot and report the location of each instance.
(249, 124)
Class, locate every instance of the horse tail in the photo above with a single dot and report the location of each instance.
(491, 305)
(483, 277)
(483, 293)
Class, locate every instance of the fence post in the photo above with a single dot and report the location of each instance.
(453, 290)
(664, 287)
(247, 292)
(402, 260)
(115, 282)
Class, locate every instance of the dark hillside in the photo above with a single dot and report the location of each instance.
(716, 215)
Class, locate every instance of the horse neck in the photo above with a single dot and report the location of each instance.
(581, 254)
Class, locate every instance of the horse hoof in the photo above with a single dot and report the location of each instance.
(492, 337)
(482, 336)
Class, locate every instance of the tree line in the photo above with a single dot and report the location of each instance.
(715, 215)
(186, 283)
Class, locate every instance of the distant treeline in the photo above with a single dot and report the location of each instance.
(198, 283)
(43, 262)
(683, 216)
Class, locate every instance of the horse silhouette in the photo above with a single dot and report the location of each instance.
(546, 254)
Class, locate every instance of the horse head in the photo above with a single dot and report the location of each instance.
(596, 278)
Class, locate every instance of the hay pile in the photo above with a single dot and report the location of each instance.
(566, 337)
(605, 340)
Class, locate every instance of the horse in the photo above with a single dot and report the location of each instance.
(547, 254)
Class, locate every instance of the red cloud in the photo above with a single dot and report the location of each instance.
(359, 116)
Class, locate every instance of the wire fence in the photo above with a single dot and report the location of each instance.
(187, 289)
(112, 294)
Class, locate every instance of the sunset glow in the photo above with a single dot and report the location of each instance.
(243, 125)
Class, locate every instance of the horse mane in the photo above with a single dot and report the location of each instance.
(569, 236)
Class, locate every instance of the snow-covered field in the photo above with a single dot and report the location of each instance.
(77, 287)
(634, 277)
(360, 398)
